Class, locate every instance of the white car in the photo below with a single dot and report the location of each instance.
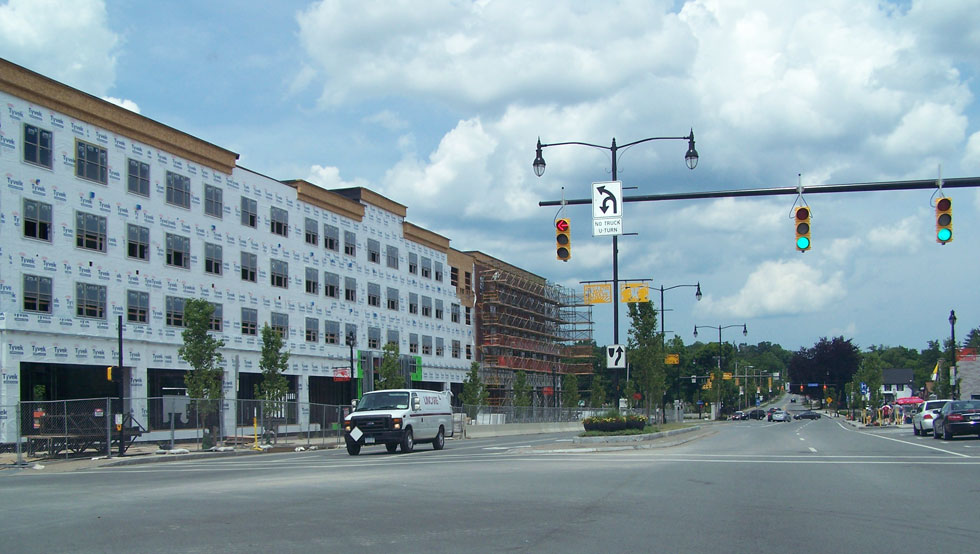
(780, 415)
(924, 416)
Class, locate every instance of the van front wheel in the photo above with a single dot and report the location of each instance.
(439, 441)
(408, 442)
(353, 448)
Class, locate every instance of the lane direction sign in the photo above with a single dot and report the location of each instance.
(607, 208)
(615, 356)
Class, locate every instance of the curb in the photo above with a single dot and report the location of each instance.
(634, 438)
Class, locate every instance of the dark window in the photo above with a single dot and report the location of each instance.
(178, 190)
(413, 263)
(454, 276)
(331, 285)
(137, 306)
(374, 294)
(312, 283)
(250, 321)
(331, 332)
(214, 201)
(249, 212)
(175, 311)
(137, 242)
(37, 220)
(37, 294)
(212, 258)
(374, 251)
(249, 266)
(392, 256)
(279, 219)
(426, 267)
(350, 289)
(217, 315)
(178, 251)
(139, 178)
(91, 162)
(413, 343)
(90, 300)
(331, 238)
(413, 303)
(392, 299)
(90, 231)
(311, 234)
(438, 271)
(280, 324)
(312, 329)
(350, 243)
(37, 146)
(280, 273)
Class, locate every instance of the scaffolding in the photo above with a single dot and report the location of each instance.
(529, 324)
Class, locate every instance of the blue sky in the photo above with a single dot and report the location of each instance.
(438, 105)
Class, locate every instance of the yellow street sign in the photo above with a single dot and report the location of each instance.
(672, 359)
(727, 375)
(598, 293)
(634, 292)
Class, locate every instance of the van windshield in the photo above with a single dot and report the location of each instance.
(384, 401)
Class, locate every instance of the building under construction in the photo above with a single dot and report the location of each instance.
(524, 323)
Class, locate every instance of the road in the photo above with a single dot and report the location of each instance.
(753, 486)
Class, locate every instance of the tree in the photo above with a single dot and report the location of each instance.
(646, 353)
(522, 390)
(569, 391)
(203, 352)
(869, 373)
(833, 362)
(475, 394)
(273, 363)
(389, 374)
(597, 394)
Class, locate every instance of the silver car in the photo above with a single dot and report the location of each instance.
(780, 415)
(924, 416)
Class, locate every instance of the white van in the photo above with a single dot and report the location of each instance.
(399, 417)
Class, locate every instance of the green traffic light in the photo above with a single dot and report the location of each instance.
(944, 235)
(803, 243)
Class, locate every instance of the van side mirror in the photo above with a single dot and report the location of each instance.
(416, 403)
(353, 404)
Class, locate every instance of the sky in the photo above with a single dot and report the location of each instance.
(438, 106)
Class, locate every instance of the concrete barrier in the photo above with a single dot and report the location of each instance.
(508, 429)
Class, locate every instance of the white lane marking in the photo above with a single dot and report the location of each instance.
(812, 449)
(802, 439)
(943, 450)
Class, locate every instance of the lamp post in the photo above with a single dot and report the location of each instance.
(351, 342)
(690, 158)
(745, 332)
(952, 344)
(663, 329)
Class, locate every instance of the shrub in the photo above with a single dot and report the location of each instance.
(613, 421)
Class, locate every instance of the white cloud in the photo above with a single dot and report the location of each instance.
(329, 178)
(78, 47)
(780, 287)
(123, 103)
(387, 119)
(904, 236)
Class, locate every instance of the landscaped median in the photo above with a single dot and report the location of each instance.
(608, 438)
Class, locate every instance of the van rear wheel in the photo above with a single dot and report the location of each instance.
(440, 440)
(408, 442)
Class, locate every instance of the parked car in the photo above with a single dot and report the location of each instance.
(780, 415)
(924, 416)
(957, 417)
(808, 414)
(757, 414)
(769, 413)
(739, 415)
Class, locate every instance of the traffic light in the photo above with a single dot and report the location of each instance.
(563, 239)
(108, 373)
(944, 220)
(803, 228)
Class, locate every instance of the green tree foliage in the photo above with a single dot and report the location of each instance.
(829, 361)
(645, 354)
(569, 391)
(389, 374)
(597, 394)
(973, 339)
(474, 392)
(273, 362)
(869, 373)
(522, 390)
(202, 351)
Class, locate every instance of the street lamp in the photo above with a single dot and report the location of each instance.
(952, 344)
(351, 342)
(690, 158)
(663, 328)
(745, 332)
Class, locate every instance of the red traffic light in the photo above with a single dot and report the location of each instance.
(802, 213)
(561, 225)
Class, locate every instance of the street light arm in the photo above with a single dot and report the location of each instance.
(627, 145)
(581, 144)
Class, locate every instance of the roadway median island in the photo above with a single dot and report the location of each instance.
(508, 429)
